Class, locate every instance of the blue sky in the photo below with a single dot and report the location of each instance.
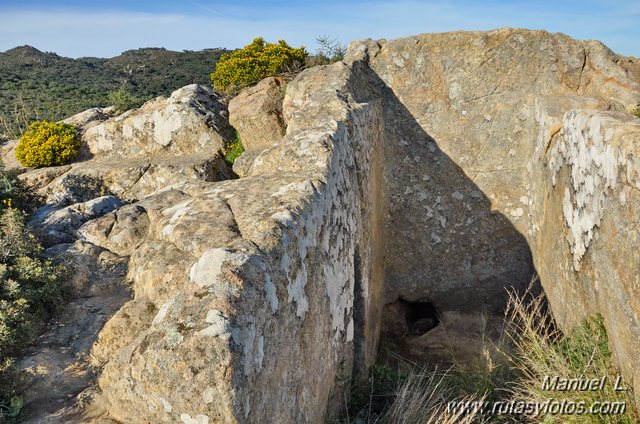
(78, 28)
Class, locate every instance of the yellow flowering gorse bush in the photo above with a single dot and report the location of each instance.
(48, 144)
(254, 62)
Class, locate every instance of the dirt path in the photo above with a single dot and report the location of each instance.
(61, 380)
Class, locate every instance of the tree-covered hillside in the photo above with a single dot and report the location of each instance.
(44, 85)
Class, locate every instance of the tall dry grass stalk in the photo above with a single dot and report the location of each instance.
(543, 352)
(423, 398)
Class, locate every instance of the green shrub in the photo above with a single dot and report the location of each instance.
(254, 62)
(123, 100)
(636, 110)
(330, 49)
(48, 144)
(233, 149)
(542, 350)
(14, 194)
(32, 289)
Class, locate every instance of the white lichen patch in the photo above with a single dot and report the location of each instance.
(162, 313)
(199, 419)
(517, 212)
(296, 292)
(205, 271)
(219, 325)
(165, 404)
(587, 147)
(457, 195)
(295, 187)
(164, 124)
(176, 212)
(209, 394)
(285, 218)
(271, 293)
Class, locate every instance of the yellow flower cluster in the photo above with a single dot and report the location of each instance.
(254, 62)
(48, 144)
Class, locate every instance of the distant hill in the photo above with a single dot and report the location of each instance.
(48, 86)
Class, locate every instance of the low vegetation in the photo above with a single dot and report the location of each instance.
(329, 50)
(255, 62)
(506, 381)
(36, 85)
(48, 144)
(123, 100)
(233, 150)
(32, 288)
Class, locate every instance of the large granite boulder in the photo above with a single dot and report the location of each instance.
(511, 154)
(459, 125)
(250, 293)
(584, 228)
(192, 120)
(166, 141)
(256, 113)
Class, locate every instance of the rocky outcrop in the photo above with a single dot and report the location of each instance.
(193, 120)
(58, 225)
(429, 174)
(244, 277)
(167, 141)
(500, 168)
(256, 114)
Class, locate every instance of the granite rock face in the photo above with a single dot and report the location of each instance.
(584, 234)
(512, 154)
(438, 170)
(459, 123)
(192, 120)
(245, 277)
(256, 113)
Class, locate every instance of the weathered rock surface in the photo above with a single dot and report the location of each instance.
(58, 225)
(245, 276)
(584, 228)
(500, 171)
(256, 113)
(91, 117)
(192, 120)
(167, 141)
(459, 119)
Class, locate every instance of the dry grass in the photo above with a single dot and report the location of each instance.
(542, 350)
(508, 370)
(423, 398)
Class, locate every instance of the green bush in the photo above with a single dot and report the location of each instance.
(32, 290)
(48, 144)
(233, 149)
(123, 100)
(14, 194)
(254, 62)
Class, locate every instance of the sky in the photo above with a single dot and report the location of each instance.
(77, 28)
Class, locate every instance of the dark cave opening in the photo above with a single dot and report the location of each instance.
(421, 317)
